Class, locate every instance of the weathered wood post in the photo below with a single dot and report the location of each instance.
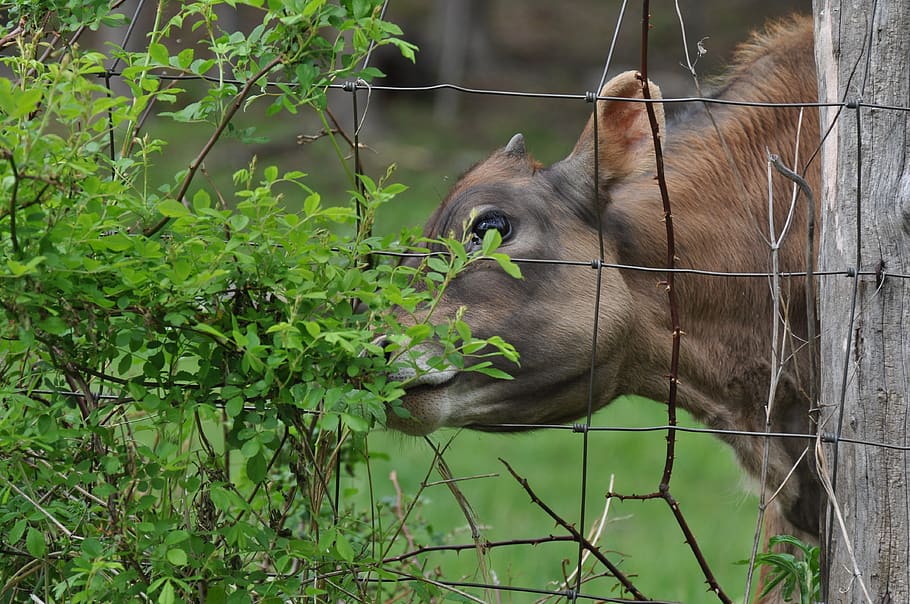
(863, 55)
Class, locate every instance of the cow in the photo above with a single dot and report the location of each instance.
(606, 204)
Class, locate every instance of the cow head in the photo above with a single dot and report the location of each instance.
(550, 213)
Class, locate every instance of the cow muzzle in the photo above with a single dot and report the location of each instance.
(420, 370)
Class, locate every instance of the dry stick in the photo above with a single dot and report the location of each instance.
(414, 501)
(800, 184)
(776, 365)
(402, 517)
(811, 315)
(618, 574)
(674, 320)
(399, 511)
(225, 120)
(480, 542)
(596, 532)
(824, 475)
(38, 507)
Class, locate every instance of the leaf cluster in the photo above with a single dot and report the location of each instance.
(185, 371)
(795, 574)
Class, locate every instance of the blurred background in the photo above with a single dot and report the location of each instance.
(431, 138)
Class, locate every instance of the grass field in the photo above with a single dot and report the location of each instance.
(642, 537)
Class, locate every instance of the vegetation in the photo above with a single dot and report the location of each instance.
(185, 370)
(188, 384)
(795, 575)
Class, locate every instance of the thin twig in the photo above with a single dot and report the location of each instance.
(225, 120)
(821, 465)
(594, 537)
(480, 542)
(595, 551)
(399, 511)
(41, 509)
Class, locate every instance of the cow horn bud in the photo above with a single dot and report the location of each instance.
(516, 146)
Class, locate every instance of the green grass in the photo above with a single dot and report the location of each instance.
(642, 537)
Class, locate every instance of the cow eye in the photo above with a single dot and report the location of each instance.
(490, 220)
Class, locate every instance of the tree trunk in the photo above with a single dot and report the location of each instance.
(863, 54)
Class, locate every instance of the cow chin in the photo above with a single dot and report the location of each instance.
(428, 407)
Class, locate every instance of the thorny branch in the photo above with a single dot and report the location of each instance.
(664, 487)
(595, 551)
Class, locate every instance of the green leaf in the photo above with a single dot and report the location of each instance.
(492, 239)
(212, 331)
(159, 54)
(27, 101)
(15, 533)
(185, 58)
(486, 368)
(256, 468)
(355, 422)
(34, 543)
(438, 264)
(167, 595)
(311, 204)
(172, 208)
(17, 269)
(343, 547)
(116, 242)
(177, 557)
(507, 265)
(419, 332)
(234, 406)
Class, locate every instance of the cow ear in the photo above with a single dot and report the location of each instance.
(626, 143)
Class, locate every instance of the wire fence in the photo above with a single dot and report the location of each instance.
(670, 271)
(576, 531)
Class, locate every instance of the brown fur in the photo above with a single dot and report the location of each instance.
(718, 192)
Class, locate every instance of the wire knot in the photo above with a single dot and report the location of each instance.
(349, 86)
(590, 97)
(580, 428)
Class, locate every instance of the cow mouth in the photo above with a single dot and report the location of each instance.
(432, 379)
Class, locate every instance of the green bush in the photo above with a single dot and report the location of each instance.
(185, 370)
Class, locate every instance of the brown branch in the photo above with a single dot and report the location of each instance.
(664, 487)
(85, 399)
(460, 547)
(576, 536)
(15, 33)
(225, 120)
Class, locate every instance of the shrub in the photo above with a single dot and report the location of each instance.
(185, 370)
